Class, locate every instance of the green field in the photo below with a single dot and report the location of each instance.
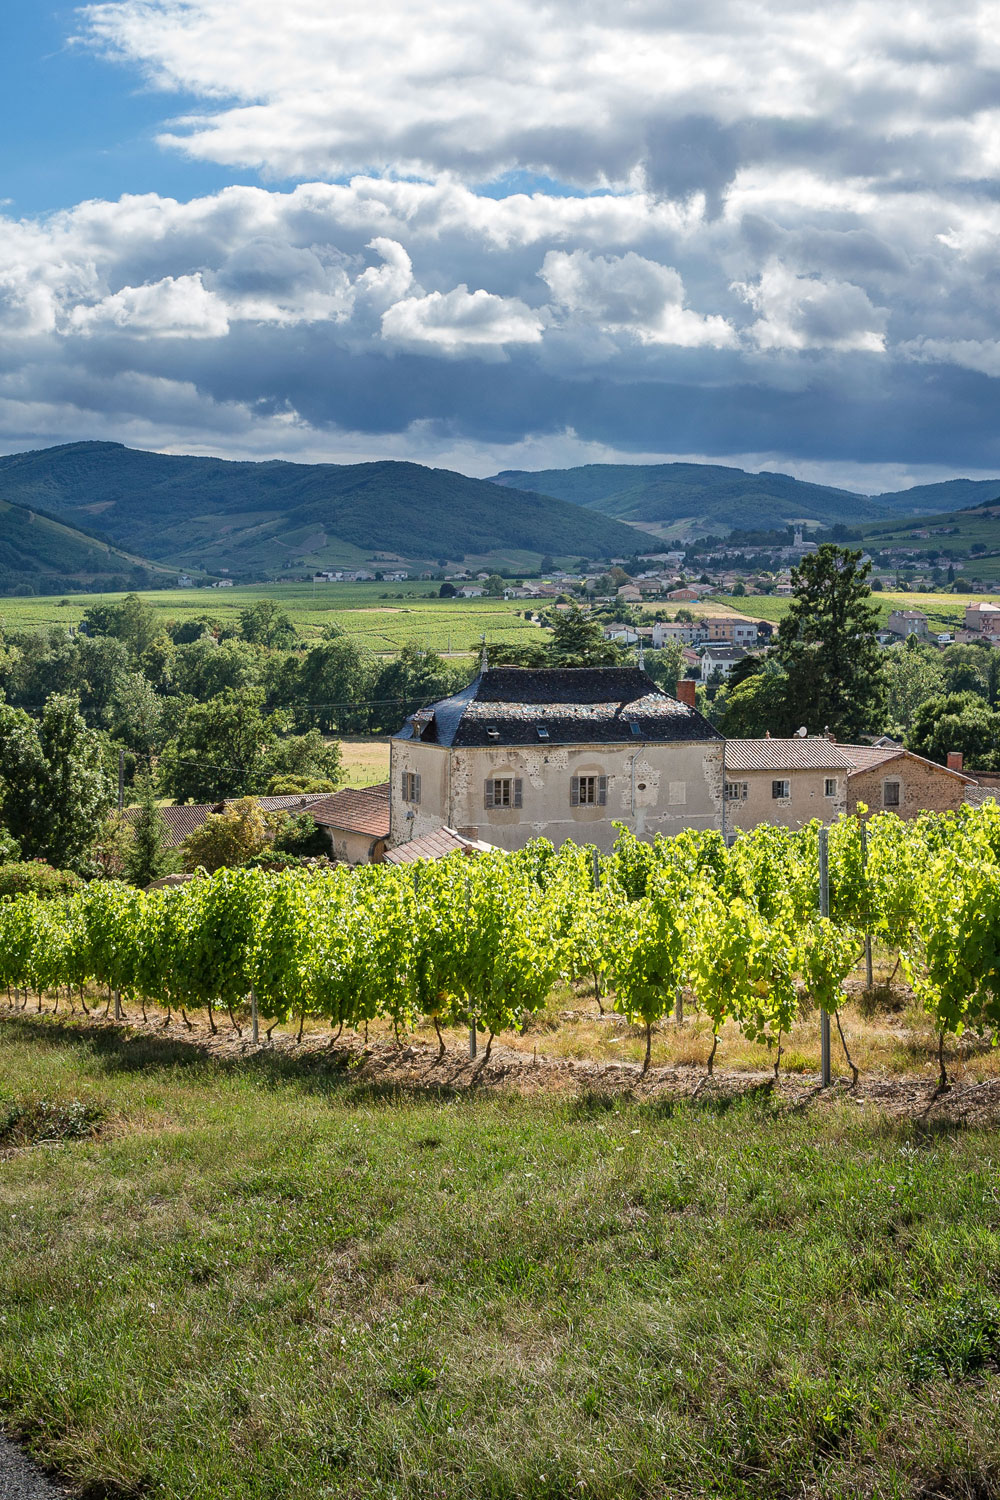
(256, 1279)
(383, 617)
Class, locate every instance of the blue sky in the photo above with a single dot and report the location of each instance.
(509, 237)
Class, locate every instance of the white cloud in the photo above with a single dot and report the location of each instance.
(587, 92)
(629, 294)
(176, 307)
(807, 312)
(461, 320)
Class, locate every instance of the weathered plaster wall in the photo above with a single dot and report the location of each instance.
(807, 800)
(354, 848)
(654, 788)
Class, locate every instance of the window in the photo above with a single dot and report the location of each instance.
(830, 787)
(636, 728)
(736, 791)
(890, 794)
(503, 791)
(588, 791)
(780, 790)
(411, 786)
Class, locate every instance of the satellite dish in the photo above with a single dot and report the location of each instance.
(801, 733)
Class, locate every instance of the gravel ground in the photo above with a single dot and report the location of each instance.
(20, 1480)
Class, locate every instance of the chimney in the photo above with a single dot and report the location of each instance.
(686, 690)
(955, 760)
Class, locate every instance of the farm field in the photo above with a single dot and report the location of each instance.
(383, 617)
(943, 611)
(364, 760)
(268, 1275)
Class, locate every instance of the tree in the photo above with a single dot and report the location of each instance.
(666, 665)
(224, 748)
(577, 640)
(413, 679)
(304, 762)
(957, 721)
(226, 839)
(495, 586)
(447, 590)
(826, 644)
(756, 705)
(266, 624)
(913, 674)
(54, 785)
(147, 855)
(327, 687)
(129, 620)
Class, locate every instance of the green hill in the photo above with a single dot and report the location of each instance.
(711, 497)
(40, 555)
(949, 495)
(265, 518)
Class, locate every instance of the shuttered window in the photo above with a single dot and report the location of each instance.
(411, 786)
(588, 791)
(503, 791)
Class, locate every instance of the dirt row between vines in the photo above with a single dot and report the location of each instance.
(413, 1066)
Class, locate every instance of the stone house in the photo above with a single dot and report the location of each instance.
(889, 778)
(561, 753)
(789, 782)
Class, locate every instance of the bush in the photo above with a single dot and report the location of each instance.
(297, 833)
(33, 877)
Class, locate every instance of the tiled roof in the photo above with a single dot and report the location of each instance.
(867, 757)
(357, 810)
(567, 705)
(815, 753)
(435, 845)
(186, 817)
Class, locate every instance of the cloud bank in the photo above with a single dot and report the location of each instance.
(751, 229)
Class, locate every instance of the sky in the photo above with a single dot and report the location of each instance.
(521, 235)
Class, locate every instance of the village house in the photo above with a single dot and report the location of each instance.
(886, 777)
(732, 630)
(556, 753)
(720, 659)
(788, 782)
(906, 622)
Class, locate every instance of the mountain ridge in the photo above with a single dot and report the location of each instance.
(254, 518)
(720, 497)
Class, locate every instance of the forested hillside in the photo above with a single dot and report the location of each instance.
(40, 555)
(717, 498)
(262, 518)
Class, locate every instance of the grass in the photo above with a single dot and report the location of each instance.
(364, 760)
(380, 616)
(261, 1280)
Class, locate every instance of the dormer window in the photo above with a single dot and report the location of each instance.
(492, 731)
(543, 733)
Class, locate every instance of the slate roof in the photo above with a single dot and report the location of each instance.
(435, 845)
(815, 753)
(356, 810)
(559, 706)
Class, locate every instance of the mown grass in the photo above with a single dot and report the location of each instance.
(262, 1280)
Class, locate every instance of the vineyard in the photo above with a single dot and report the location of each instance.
(734, 932)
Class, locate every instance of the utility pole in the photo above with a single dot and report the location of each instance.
(121, 782)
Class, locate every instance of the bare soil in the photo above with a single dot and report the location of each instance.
(415, 1066)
